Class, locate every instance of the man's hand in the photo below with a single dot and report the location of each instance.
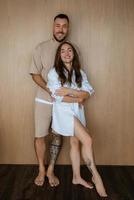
(40, 82)
(63, 91)
(81, 101)
(47, 89)
(53, 99)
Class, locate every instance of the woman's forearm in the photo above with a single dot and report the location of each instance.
(64, 91)
(79, 93)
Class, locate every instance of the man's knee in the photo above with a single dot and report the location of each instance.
(57, 140)
(39, 140)
(55, 147)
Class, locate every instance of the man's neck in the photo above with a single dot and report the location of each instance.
(55, 39)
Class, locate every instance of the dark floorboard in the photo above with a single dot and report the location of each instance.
(16, 183)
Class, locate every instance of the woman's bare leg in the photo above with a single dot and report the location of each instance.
(87, 152)
(75, 159)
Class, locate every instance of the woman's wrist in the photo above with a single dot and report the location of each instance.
(71, 91)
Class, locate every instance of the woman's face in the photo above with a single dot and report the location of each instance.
(66, 53)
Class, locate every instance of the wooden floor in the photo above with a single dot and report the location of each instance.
(16, 183)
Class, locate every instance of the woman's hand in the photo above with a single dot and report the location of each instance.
(63, 91)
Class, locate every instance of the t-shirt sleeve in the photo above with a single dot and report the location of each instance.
(85, 84)
(36, 64)
(53, 84)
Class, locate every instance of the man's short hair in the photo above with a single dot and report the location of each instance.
(62, 16)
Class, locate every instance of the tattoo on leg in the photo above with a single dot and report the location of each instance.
(55, 148)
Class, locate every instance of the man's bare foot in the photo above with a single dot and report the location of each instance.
(53, 180)
(99, 186)
(39, 180)
(82, 182)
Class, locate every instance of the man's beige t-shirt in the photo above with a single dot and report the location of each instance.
(42, 61)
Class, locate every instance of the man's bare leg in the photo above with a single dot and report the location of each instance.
(75, 159)
(40, 148)
(54, 152)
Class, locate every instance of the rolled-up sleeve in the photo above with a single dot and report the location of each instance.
(53, 84)
(85, 84)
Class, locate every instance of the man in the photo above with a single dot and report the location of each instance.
(43, 60)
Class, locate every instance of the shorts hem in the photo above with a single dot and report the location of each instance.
(39, 136)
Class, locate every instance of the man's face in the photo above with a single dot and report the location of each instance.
(60, 29)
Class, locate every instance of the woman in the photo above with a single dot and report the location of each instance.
(68, 110)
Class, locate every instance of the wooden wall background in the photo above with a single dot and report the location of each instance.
(104, 31)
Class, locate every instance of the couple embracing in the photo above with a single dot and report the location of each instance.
(63, 89)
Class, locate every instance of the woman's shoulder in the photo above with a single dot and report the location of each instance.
(82, 72)
(52, 73)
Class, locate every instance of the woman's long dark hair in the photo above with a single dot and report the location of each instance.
(61, 68)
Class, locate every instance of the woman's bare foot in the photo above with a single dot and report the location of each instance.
(82, 182)
(53, 180)
(39, 180)
(99, 185)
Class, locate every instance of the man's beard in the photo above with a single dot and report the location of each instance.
(61, 39)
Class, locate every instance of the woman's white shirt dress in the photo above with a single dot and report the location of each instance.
(63, 113)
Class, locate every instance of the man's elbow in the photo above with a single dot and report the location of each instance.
(35, 76)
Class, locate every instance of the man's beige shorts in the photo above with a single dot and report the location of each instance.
(43, 114)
